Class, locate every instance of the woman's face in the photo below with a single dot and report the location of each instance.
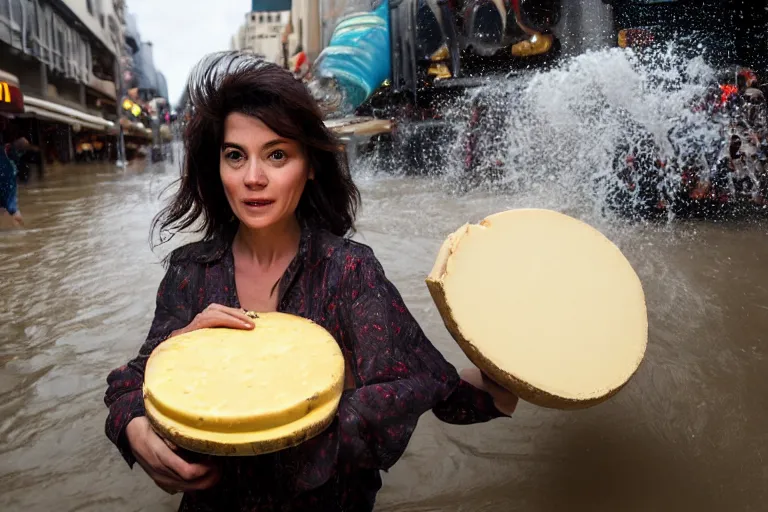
(263, 174)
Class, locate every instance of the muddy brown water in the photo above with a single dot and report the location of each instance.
(690, 432)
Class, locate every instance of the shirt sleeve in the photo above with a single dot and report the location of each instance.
(124, 396)
(399, 374)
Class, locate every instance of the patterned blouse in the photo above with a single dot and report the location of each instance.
(398, 375)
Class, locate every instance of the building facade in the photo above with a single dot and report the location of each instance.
(61, 58)
(262, 30)
(61, 61)
(305, 31)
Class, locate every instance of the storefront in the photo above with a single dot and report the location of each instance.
(11, 126)
(64, 131)
(54, 112)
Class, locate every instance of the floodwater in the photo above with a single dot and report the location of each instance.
(688, 433)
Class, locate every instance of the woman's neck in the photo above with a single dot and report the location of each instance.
(264, 247)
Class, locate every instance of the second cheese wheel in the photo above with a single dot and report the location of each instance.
(544, 304)
(245, 392)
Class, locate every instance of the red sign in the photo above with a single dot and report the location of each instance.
(11, 99)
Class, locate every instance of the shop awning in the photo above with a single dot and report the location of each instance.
(55, 112)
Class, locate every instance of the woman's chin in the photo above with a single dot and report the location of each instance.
(257, 224)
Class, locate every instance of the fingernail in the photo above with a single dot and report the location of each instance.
(248, 324)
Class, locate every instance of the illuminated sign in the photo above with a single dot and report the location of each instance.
(132, 107)
(11, 99)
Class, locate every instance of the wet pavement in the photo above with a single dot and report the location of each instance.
(688, 433)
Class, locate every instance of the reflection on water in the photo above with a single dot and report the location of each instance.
(688, 433)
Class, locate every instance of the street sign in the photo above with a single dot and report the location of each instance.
(11, 99)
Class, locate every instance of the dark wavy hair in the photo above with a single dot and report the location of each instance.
(226, 82)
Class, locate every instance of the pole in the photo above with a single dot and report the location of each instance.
(119, 44)
(120, 135)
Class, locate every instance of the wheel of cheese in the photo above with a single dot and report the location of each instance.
(543, 304)
(245, 392)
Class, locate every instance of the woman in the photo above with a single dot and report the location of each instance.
(265, 183)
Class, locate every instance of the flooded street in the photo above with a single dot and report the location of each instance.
(688, 433)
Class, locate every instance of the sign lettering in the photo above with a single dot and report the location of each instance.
(11, 99)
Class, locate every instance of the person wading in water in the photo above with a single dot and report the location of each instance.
(264, 179)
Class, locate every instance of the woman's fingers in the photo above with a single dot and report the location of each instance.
(238, 313)
(206, 482)
(505, 401)
(216, 315)
(217, 312)
(473, 376)
(219, 318)
(188, 473)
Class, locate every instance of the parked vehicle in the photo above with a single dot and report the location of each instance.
(392, 67)
(405, 60)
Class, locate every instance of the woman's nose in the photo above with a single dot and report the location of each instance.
(255, 176)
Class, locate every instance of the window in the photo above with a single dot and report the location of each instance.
(261, 18)
(269, 18)
(277, 18)
(89, 5)
(253, 17)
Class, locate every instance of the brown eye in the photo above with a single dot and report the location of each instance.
(234, 156)
(278, 156)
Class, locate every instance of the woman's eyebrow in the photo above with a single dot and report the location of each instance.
(268, 145)
(232, 145)
(275, 142)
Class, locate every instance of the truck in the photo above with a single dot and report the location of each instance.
(392, 66)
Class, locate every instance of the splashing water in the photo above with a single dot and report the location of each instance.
(553, 138)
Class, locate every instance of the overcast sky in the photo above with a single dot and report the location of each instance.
(182, 31)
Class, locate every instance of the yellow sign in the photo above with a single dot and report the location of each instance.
(5, 92)
(132, 107)
(11, 99)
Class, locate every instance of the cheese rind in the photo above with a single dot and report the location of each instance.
(544, 304)
(233, 392)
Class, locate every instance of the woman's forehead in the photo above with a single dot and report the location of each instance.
(244, 129)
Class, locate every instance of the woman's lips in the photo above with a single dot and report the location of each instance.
(257, 203)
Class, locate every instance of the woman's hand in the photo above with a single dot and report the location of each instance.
(169, 471)
(216, 315)
(505, 401)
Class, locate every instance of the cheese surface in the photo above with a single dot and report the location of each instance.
(230, 391)
(544, 304)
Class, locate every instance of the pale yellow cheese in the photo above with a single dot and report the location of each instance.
(230, 391)
(544, 304)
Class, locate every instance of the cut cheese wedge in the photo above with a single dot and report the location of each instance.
(245, 392)
(543, 304)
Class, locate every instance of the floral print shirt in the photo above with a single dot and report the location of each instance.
(395, 376)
